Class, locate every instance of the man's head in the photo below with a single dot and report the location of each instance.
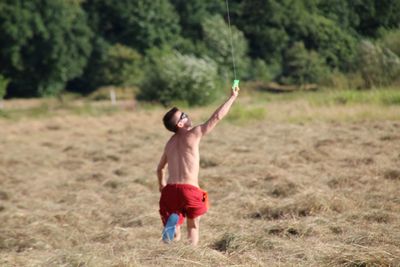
(175, 119)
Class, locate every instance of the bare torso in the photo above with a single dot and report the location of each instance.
(181, 152)
(183, 157)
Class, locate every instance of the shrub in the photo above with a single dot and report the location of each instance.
(340, 80)
(122, 67)
(391, 39)
(3, 86)
(378, 66)
(175, 77)
(116, 65)
(261, 72)
(301, 66)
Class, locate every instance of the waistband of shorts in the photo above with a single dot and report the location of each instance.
(186, 186)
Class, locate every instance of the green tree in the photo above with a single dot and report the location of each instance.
(193, 13)
(217, 38)
(140, 24)
(43, 44)
(90, 79)
(335, 45)
(372, 15)
(272, 26)
(263, 23)
(340, 12)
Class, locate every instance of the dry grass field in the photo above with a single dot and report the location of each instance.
(291, 183)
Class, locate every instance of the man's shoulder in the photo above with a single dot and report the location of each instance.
(170, 140)
(196, 130)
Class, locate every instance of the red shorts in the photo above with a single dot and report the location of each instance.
(183, 199)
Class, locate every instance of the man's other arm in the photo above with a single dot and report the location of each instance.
(160, 171)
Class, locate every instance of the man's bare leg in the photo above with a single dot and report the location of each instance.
(177, 233)
(193, 226)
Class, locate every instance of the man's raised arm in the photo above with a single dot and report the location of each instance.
(209, 125)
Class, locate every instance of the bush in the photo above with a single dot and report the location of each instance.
(340, 80)
(176, 77)
(301, 66)
(122, 67)
(391, 39)
(116, 65)
(260, 71)
(378, 66)
(3, 86)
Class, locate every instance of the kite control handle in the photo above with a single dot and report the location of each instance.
(235, 84)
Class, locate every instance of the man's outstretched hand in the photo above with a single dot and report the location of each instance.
(235, 91)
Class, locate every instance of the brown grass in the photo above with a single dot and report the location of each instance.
(302, 186)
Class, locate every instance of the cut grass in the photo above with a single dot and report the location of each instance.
(81, 190)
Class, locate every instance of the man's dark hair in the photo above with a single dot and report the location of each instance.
(168, 120)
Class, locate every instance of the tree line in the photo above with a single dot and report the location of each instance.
(180, 49)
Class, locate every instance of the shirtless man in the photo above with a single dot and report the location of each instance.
(180, 193)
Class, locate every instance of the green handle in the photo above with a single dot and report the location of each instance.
(235, 84)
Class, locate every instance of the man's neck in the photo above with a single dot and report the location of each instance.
(183, 130)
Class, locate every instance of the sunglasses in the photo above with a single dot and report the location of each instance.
(183, 116)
